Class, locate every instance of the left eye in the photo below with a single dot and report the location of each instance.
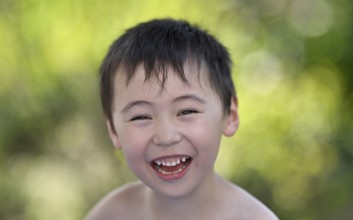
(187, 112)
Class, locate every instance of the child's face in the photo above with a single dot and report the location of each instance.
(170, 138)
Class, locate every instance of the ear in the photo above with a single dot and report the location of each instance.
(113, 135)
(232, 121)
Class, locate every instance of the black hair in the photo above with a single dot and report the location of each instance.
(166, 43)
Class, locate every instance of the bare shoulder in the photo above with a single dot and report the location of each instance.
(248, 207)
(118, 204)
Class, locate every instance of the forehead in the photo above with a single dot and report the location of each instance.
(140, 89)
(192, 75)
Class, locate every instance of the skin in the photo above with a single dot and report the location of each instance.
(187, 120)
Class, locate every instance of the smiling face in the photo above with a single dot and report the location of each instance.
(170, 137)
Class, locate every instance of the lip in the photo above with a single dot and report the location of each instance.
(172, 172)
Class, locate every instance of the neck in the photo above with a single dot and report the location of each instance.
(191, 206)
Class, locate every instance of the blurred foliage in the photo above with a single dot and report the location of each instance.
(292, 68)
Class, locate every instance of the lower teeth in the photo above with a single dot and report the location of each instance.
(174, 172)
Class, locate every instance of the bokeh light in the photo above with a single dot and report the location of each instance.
(292, 70)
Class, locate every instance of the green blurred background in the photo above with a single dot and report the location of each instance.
(292, 69)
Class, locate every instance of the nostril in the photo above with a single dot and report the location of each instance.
(166, 140)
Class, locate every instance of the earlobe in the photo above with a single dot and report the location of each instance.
(113, 135)
(232, 122)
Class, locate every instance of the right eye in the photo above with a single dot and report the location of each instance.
(140, 117)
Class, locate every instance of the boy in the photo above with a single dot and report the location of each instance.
(168, 97)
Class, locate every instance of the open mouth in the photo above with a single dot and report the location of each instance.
(171, 167)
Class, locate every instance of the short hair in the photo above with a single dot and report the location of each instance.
(166, 43)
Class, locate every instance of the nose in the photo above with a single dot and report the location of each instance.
(166, 133)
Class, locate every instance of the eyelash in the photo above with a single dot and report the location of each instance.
(140, 117)
(187, 112)
(181, 113)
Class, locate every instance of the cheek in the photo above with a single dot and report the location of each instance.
(205, 133)
(134, 153)
(208, 126)
(132, 144)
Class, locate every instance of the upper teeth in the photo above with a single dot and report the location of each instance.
(170, 162)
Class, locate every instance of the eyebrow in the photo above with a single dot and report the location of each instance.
(134, 103)
(190, 97)
(178, 99)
